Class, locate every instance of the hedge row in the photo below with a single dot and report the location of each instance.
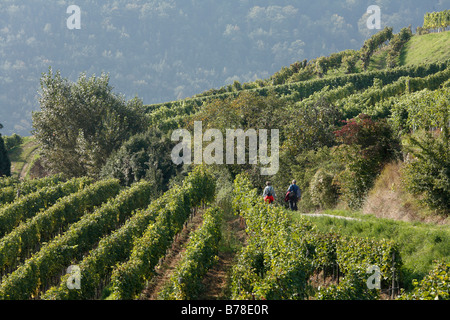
(169, 116)
(274, 264)
(354, 104)
(435, 286)
(112, 249)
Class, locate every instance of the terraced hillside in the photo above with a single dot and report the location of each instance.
(342, 120)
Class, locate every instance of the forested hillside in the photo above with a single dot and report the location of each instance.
(167, 50)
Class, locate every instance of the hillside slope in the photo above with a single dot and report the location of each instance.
(426, 48)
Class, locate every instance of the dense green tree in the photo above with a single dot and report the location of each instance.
(12, 141)
(80, 124)
(427, 169)
(143, 156)
(313, 127)
(5, 163)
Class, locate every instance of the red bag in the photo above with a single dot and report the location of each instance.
(269, 199)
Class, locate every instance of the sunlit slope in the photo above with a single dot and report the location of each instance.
(426, 48)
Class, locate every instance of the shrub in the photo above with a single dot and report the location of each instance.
(366, 145)
(12, 141)
(323, 191)
(143, 156)
(426, 172)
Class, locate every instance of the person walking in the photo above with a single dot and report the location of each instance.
(293, 195)
(269, 193)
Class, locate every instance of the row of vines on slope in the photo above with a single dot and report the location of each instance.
(200, 255)
(26, 239)
(129, 278)
(170, 116)
(28, 206)
(17, 188)
(31, 277)
(123, 260)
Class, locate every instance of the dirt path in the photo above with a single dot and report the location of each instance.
(328, 215)
(216, 281)
(28, 159)
(165, 269)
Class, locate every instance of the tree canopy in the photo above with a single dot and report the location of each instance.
(80, 124)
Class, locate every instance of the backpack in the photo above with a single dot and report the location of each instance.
(269, 192)
(292, 196)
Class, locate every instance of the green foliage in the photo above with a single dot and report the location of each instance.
(273, 264)
(172, 115)
(366, 145)
(29, 205)
(118, 246)
(316, 120)
(335, 60)
(378, 97)
(437, 20)
(5, 162)
(349, 63)
(324, 193)
(128, 278)
(82, 235)
(424, 109)
(6, 182)
(435, 286)
(111, 250)
(352, 287)
(12, 141)
(396, 45)
(23, 188)
(419, 244)
(281, 255)
(200, 255)
(426, 172)
(80, 124)
(26, 238)
(143, 156)
(375, 42)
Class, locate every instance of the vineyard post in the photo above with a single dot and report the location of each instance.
(393, 275)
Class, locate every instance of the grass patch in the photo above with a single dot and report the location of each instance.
(427, 48)
(379, 60)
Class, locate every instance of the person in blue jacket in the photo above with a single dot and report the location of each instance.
(293, 195)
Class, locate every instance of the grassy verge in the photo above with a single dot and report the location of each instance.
(420, 243)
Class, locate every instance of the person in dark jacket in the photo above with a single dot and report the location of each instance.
(293, 195)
